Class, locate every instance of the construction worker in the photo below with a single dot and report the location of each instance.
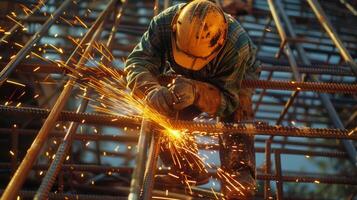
(212, 54)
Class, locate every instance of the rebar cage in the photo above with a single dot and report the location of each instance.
(56, 145)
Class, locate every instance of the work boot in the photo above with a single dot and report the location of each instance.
(237, 155)
(238, 163)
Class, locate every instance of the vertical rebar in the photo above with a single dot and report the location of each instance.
(17, 25)
(28, 46)
(261, 96)
(325, 99)
(166, 3)
(156, 7)
(151, 166)
(265, 32)
(138, 174)
(14, 148)
(267, 170)
(279, 179)
(97, 152)
(326, 24)
(287, 105)
(21, 173)
(56, 165)
(284, 44)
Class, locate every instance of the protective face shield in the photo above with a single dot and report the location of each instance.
(199, 33)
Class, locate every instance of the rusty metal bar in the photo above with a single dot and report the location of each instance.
(77, 136)
(258, 129)
(150, 168)
(167, 3)
(310, 69)
(278, 175)
(156, 7)
(28, 46)
(294, 94)
(120, 189)
(4, 38)
(265, 32)
(331, 179)
(267, 169)
(50, 177)
(97, 151)
(103, 119)
(292, 61)
(284, 45)
(48, 181)
(297, 76)
(288, 104)
(105, 169)
(24, 194)
(326, 24)
(331, 154)
(349, 7)
(134, 139)
(261, 96)
(14, 148)
(40, 19)
(292, 85)
(32, 153)
(82, 167)
(138, 174)
(325, 99)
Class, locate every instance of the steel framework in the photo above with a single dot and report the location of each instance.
(305, 100)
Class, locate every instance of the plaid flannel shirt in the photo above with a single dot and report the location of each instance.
(153, 56)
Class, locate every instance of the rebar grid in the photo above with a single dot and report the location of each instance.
(277, 35)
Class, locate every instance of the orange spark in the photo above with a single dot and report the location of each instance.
(12, 19)
(15, 83)
(81, 22)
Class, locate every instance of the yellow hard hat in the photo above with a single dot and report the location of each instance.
(199, 33)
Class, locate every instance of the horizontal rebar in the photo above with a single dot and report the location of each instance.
(290, 85)
(328, 179)
(134, 139)
(311, 69)
(23, 194)
(254, 129)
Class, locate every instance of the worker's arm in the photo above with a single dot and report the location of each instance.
(142, 65)
(239, 65)
(244, 110)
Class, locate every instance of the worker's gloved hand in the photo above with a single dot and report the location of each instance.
(187, 92)
(184, 91)
(244, 111)
(162, 100)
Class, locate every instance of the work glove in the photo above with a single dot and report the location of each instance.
(187, 92)
(162, 100)
(244, 110)
(184, 91)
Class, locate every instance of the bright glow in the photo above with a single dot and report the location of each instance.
(176, 134)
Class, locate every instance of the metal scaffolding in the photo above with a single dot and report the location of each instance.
(57, 146)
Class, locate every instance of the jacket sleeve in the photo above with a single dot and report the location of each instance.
(240, 65)
(143, 63)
